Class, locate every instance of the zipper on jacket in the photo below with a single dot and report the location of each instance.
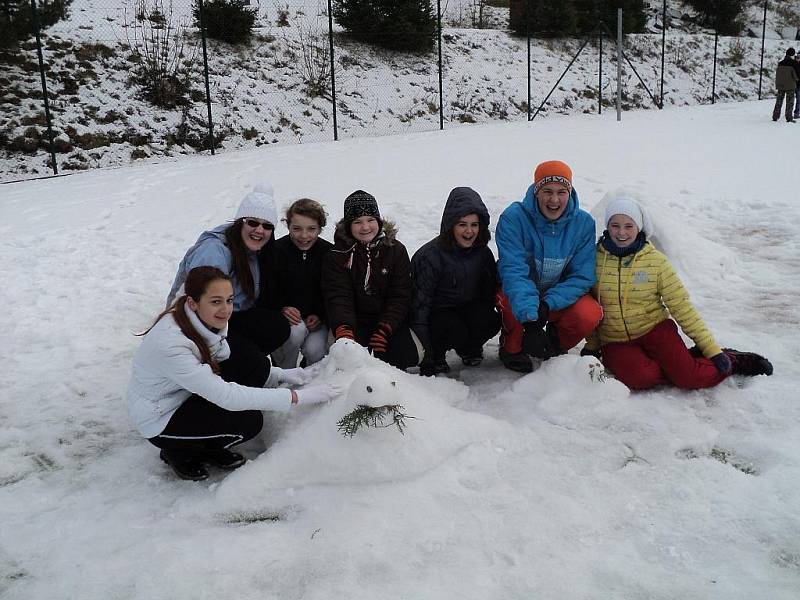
(619, 296)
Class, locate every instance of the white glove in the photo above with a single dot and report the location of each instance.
(278, 376)
(316, 394)
(295, 376)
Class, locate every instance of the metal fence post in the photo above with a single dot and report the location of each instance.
(600, 79)
(441, 91)
(663, 46)
(205, 75)
(619, 64)
(714, 70)
(333, 72)
(528, 35)
(763, 36)
(35, 16)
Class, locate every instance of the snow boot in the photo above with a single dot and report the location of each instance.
(748, 364)
(519, 362)
(430, 367)
(185, 466)
(471, 357)
(222, 459)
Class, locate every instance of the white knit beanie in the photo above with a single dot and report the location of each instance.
(259, 204)
(623, 205)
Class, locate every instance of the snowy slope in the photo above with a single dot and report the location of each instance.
(552, 485)
(260, 95)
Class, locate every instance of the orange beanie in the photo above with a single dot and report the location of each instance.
(552, 171)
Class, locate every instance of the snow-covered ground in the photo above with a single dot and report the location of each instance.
(553, 485)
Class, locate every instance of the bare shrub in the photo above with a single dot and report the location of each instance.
(157, 41)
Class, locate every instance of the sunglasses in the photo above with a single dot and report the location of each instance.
(266, 225)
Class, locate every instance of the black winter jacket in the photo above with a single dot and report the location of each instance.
(294, 277)
(352, 299)
(448, 276)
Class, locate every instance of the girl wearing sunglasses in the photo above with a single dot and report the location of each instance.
(195, 391)
(239, 249)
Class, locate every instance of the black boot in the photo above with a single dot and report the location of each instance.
(749, 364)
(471, 357)
(222, 458)
(519, 362)
(185, 465)
(433, 365)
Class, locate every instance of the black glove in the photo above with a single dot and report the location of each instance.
(535, 341)
(544, 313)
(597, 353)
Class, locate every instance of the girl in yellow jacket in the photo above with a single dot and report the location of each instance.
(639, 291)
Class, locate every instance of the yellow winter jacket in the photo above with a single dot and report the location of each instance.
(639, 291)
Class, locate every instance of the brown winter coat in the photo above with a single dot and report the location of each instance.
(385, 297)
(786, 75)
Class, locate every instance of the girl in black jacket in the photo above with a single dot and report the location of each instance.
(455, 279)
(294, 284)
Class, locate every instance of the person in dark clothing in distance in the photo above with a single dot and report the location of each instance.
(455, 280)
(294, 284)
(786, 79)
(366, 283)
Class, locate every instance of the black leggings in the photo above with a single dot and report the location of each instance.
(266, 328)
(202, 425)
(464, 328)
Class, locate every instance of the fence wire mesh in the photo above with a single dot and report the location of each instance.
(131, 79)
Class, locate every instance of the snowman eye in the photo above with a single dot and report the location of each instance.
(394, 384)
(369, 389)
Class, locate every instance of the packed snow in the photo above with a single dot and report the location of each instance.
(557, 484)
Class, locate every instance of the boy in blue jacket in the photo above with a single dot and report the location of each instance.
(546, 266)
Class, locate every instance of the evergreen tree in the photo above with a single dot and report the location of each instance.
(722, 15)
(591, 12)
(16, 19)
(406, 25)
(546, 18)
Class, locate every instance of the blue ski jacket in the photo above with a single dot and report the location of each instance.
(542, 259)
(210, 250)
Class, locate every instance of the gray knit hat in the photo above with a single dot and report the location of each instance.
(259, 204)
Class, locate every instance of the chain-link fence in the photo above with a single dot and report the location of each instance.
(137, 79)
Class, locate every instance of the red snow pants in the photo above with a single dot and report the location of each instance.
(659, 357)
(574, 323)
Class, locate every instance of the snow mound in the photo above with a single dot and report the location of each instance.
(314, 452)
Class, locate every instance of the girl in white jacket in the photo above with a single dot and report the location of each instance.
(196, 389)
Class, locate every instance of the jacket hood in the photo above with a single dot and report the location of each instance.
(217, 233)
(532, 207)
(462, 201)
(343, 239)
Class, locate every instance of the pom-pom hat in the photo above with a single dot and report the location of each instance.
(552, 171)
(259, 204)
(361, 204)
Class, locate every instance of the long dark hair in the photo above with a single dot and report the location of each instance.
(241, 268)
(196, 284)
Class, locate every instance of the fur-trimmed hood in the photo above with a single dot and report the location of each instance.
(344, 241)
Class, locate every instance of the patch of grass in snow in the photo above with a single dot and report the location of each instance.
(250, 517)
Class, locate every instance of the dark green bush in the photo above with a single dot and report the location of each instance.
(405, 25)
(16, 19)
(722, 15)
(561, 18)
(230, 21)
